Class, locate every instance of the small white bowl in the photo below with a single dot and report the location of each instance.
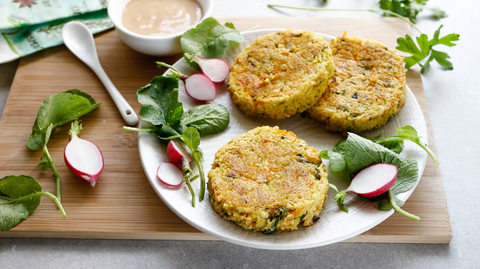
(152, 45)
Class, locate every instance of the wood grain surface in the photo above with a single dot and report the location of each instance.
(123, 205)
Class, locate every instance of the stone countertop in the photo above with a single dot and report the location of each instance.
(452, 98)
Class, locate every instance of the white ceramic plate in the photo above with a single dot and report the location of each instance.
(334, 225)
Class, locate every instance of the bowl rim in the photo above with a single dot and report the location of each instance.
(118, 24)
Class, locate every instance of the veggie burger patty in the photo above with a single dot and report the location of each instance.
(280, 74)
(367, 88)
(268, 179)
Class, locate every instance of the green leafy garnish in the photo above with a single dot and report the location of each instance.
(160, 106)
(19, 198)
(425, 49)
(355, 153)
(406, 132)
(409, 8)
(57, 110)
(207, 119)
(209, 39)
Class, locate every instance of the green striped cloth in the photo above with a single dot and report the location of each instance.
(28, 26)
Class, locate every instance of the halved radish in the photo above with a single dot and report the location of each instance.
(200, 87)
(83, 157)
(177, 152)
(374, 180)
(170, 175)
(216, 69)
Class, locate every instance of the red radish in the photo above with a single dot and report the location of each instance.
(374, 180)
(83, 157)
(170, 175)
(216, 69)
(177, 152)
(200, 87)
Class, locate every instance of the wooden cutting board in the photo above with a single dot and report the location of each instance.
(123, 204)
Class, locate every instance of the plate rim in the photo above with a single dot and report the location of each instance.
(280, 246)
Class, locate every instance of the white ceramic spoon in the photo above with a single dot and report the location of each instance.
(78, 38)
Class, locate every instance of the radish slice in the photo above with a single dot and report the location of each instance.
(177, 152)
(170, 175)
(83, 157)
(374, 180)
(200, 87)
(216, 69)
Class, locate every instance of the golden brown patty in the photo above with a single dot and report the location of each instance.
(280, 74)
(367, 88)
(268, 179)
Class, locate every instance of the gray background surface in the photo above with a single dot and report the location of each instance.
(452, 98)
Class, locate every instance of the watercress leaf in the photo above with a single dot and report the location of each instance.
(83, 94)
(207, 119)
(407, 132)
(19, 198)
(384, 205)
(160, 105)
(337, 163)
(324, 154)
(44, 163)
(340, 146)
(230, 25)
(407, 175)
(167, 133)
(377, 136)
(57, 110)
(395, 146)
(13, 209)
(209, 39)
(191, 137)
(340, 198)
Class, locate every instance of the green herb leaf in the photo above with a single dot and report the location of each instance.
(407, 132)
(340, 197)
(191, 137)
(385, 205)
(59, 109)
(44, 163)
(209, 39)
(438, 13)
(405, 8)
(159, 99)
(19, 198)
(425, 50)
(83, 94)
(207, 119)
(337, 163)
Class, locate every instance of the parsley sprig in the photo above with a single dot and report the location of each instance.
(425, 50)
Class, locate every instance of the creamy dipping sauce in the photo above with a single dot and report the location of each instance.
(161, 17)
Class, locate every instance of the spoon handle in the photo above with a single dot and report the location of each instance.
(124, 108)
